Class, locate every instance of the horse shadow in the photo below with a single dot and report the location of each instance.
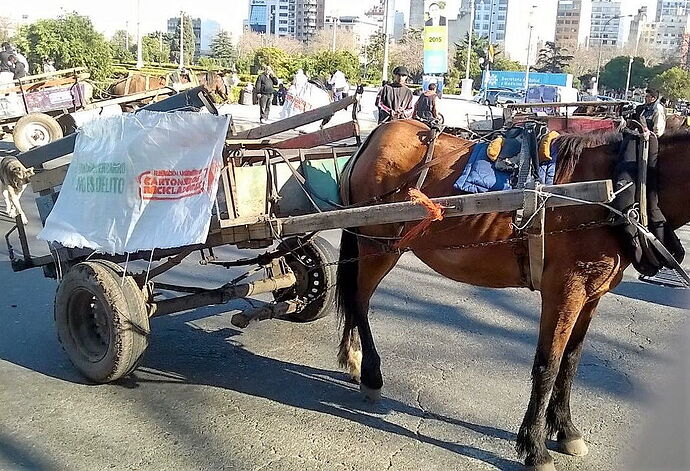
(200, 357)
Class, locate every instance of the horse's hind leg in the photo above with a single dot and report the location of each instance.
(371, 267)
(558, 417)
(561, 306)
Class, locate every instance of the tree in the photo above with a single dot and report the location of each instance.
(189, 42)
(222, 49)
(327, 62)
(323, 41)
(615, 73)
(121, 44)
(410, 52)
(552, 59)
(71, 41)
(5, 28)
(153, 49)
(673, 84)
(373, 59)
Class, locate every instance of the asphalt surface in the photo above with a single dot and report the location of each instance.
(456, 362)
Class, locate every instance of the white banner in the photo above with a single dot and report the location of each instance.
(140, 181)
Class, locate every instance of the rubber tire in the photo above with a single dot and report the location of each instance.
(20, 141)
(125, 313)
(316, 254)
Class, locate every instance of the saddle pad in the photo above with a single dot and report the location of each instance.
(480, 175)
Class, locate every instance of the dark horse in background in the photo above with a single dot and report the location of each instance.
(137, 82)
(580, 266)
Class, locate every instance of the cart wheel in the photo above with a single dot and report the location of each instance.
(101, 320)
(35, 129)
(315, 279)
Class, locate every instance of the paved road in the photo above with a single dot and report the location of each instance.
(456, 363)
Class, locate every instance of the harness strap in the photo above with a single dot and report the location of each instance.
(434, 131)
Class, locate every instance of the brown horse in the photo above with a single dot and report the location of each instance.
(213, 82)
(676, 122)
(580, 266)
(137, 83)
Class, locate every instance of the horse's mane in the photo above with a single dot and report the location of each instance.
(571, 146)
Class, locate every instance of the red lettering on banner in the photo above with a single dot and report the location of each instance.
(163, 184)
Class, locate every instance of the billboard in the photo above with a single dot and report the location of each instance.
(435, 38)
(516, 80)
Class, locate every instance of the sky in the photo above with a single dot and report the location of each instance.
(108, 17)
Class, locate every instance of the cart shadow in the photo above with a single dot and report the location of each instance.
(189, 355)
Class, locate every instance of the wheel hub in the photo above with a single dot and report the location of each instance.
(37, 134)
(88, 325)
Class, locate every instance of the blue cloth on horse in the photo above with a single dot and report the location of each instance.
(480, 176)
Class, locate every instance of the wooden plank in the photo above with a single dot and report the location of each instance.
(296, 121)
(321, 137)
(47, 179)
(164, 91)
(559, 105)
(462, 205)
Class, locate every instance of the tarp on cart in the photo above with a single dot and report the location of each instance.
(139, 182)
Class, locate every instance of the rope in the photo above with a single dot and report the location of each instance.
(124, 271)
(148, 269)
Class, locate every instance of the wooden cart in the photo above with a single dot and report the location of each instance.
(273, 194)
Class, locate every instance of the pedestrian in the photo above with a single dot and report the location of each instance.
(264, 89)
(6, 67)
(653, 113)
(338, 83)
(425, 108)
(19, 68)
(48, 65)
(281, 94)
(395, 98)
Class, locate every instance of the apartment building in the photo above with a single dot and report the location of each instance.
(362, 27)
(573, 23)
(610, 23)
(298, 19)
(673, 24)
(506, 23)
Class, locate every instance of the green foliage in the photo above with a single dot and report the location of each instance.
(153, 51)
(189, 45)
(208, 63)
(615, 73)
(276, 58)
(222, 50)
(674, 84)
(71, 41)
(373, 55)
(120, 44)
(552, 59)
(327, 62)
(502, 63)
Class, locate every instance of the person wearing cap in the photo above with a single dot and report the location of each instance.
(395, 98)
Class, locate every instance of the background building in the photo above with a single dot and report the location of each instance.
(672, 25)
(506, 23)
(174, 23)
(416, 14)
(573, 23)
(606, 31)
(362, 27)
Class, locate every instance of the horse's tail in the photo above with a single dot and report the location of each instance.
(346, 284)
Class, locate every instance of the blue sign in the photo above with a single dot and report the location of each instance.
(516, 80)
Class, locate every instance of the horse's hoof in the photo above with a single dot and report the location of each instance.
(542, 467)
(372, 395)
(576, 447)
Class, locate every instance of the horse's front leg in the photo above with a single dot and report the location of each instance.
(560, 308)
(558, 417)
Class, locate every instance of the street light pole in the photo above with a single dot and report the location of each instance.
(334, 24)
(385, 40)
(640, 16)
(469, 40)
(140, 60)
(601, 43)
(181, 40)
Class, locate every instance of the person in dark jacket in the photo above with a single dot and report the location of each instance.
(265, 88)
(425, 109)
(395, 98)
(6, 66)
(19, 68)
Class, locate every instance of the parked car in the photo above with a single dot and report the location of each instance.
(500, 97)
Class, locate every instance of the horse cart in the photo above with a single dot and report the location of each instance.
(274, 194)
(42, 108)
